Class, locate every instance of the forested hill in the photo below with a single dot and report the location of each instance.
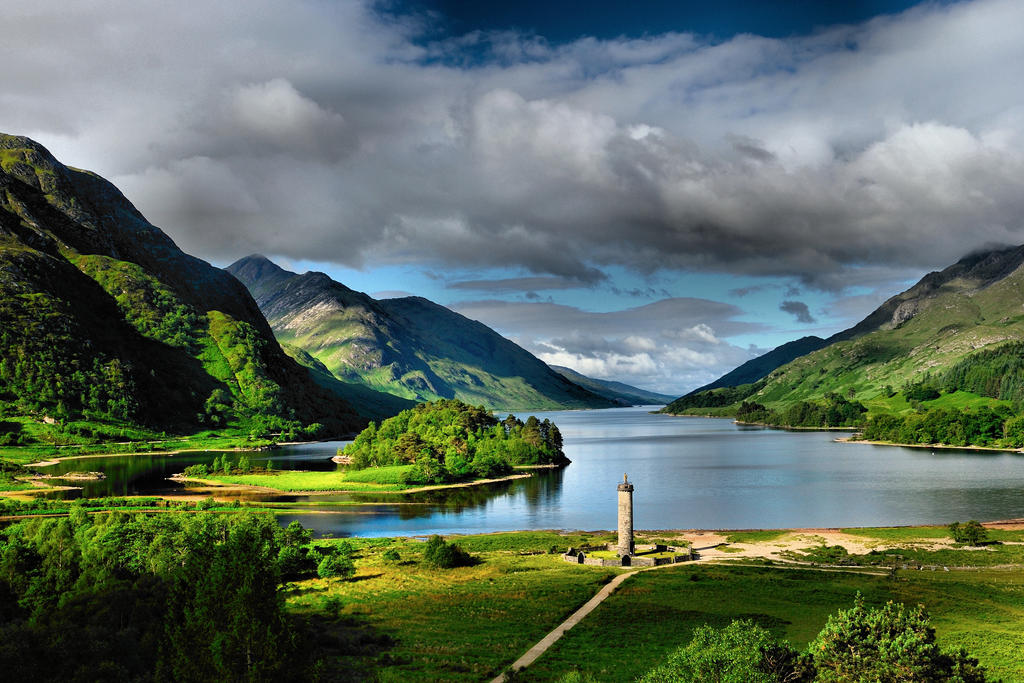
(950, 342)
(410, 347)
(104, 320)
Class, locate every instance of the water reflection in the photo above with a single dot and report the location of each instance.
(688, 473)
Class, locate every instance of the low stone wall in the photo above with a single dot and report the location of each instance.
(579, 556)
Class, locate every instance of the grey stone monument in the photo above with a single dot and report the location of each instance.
(626, 546)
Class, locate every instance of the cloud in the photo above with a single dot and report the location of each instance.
(799, 310)
(524, 284)
(671, 346)
(325, 131)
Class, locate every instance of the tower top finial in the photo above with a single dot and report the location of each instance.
(625, 479)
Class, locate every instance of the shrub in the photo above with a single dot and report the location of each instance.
(337, 565)
(442, 555)
(391, 556)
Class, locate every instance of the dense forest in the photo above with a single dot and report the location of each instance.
(167, 597)
(448, 440)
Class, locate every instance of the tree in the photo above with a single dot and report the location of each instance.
(971, 533)
(893, 643)
(742, 652)
(336, 565)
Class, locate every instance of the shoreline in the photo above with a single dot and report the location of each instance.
(932, 446)
(59, 459)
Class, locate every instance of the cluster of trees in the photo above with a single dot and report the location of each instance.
(981, 427)
(448, 440)
(153, 598)
(970, 533)
(836, 411)
(890, 643)
(226, 466)
(995, 373)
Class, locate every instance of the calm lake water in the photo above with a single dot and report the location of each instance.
(688, 473)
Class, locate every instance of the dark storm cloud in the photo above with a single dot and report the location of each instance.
(799, 310)
(323, 131)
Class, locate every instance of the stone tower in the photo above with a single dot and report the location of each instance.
(625, 517)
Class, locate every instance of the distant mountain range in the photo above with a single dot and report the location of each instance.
(945, 322)
(619, 392)
(411, 347)
(104, 319)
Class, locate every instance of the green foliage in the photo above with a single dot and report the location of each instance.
(391, 556)
(440, 554)
(447, 441)
(982, 427)
(891, 643)
(836, 411)
(971, 533)
(164, 598)
(996, 373)
(338, 565)
(742, 652)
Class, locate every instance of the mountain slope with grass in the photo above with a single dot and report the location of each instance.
(106, 325)
(947, 343)
(621, 393)
(409, 347)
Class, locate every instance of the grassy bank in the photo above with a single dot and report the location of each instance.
(387, 479)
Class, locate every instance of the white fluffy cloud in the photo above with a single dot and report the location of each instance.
(670, 346)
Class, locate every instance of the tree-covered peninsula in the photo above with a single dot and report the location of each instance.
(448, 441)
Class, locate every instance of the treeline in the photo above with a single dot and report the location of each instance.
(836, 411)
(154, 598)
(982, 427)
(448, 440)
(889, 643)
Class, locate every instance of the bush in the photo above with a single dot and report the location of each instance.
(971, 533)
(442, 555)
(391, 556)
(742, 652)
(337, 565)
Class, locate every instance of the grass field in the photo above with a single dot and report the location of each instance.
(656, 612)
(462, 624)
(414, 623)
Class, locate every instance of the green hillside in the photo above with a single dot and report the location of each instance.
(949, 343)
(409, 347)
(107, 327)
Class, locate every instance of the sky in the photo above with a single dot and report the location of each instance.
(647, 192)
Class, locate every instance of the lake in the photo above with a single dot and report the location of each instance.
(688, 472)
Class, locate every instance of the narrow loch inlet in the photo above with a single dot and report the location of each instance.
(688, 473)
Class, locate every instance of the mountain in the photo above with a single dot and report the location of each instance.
(760, 367)
(410, 347)
(621, 393)
(945, 332)
(104, 319)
